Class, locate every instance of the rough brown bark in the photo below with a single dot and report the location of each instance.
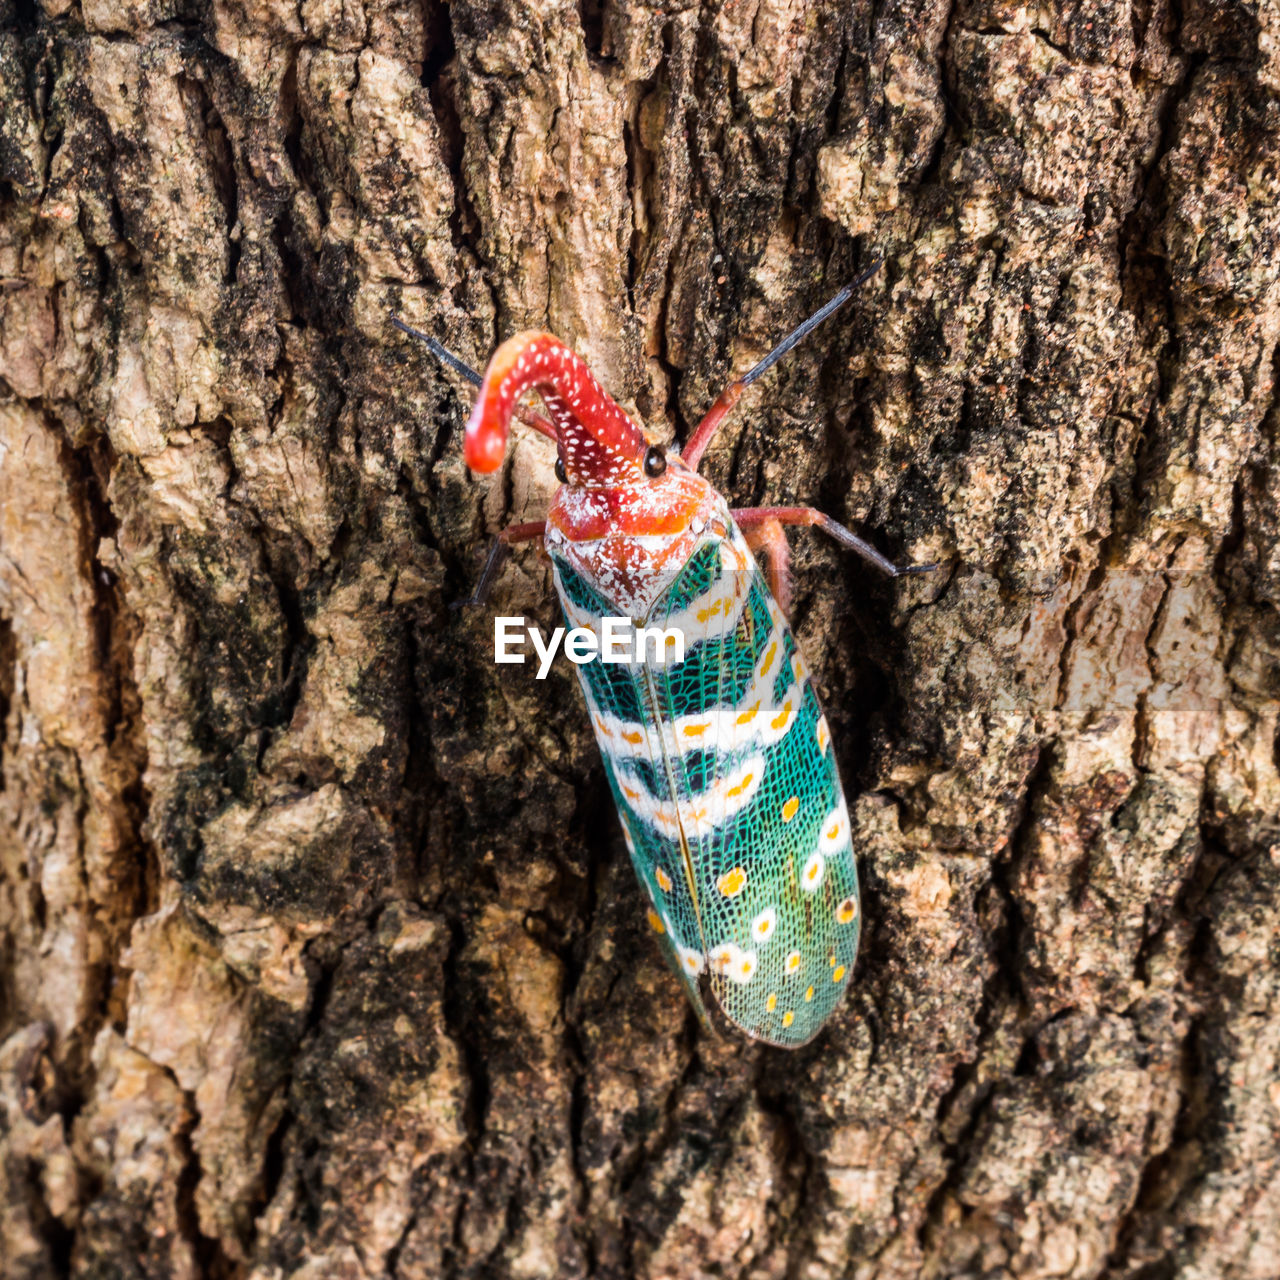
(321, 955)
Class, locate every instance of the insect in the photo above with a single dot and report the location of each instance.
(721, 765)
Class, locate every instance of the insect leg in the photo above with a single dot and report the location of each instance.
(512, 534)
(768, 536)
(458, 365)
(692, 453)
(753, 517)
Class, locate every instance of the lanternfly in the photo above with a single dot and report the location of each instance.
(721, 765)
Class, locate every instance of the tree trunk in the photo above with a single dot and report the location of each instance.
(322, 956)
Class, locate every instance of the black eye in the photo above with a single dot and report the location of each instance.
(655, 461)
(561, 474)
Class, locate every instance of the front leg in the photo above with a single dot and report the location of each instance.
(768, 536)
(756, 517)
(509, 536)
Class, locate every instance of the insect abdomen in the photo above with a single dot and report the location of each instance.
(726, 784)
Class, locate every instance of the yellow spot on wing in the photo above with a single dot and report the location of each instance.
(772, 1002)
(732, 882)
(837, 973)
(655, 922)
(734, 792)
(788, 1018)
(790, 809)
(664, 880)
(808, 995)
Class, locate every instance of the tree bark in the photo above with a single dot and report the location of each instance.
(322, 956)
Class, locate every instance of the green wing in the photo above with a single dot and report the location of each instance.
(726, 783)
(620, 706)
